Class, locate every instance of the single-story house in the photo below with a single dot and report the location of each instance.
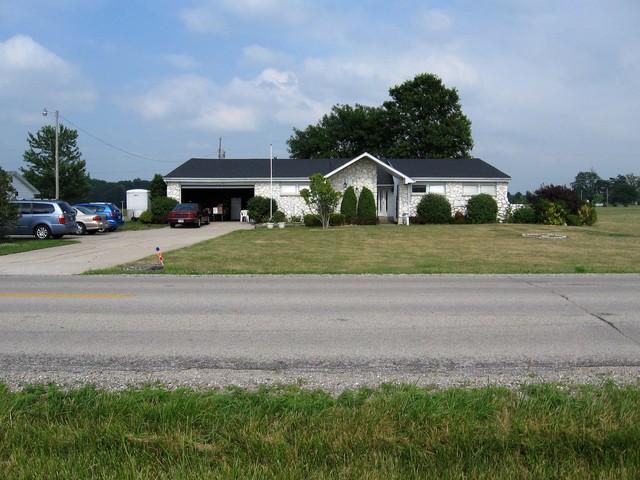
(397, 184)
(25, 190)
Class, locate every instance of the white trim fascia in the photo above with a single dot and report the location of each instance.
(381, 164)
(462, 179)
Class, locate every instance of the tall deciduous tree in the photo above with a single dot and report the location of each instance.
(426, 120)
(586, 185)
(41, 158)
(423, 119)
(321, 198)
(344, 133)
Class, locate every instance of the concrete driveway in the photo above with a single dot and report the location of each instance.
(105, 250)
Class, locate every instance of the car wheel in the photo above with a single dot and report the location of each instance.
(42, 232)
(172, 225)
(198, 223)
(80, 228)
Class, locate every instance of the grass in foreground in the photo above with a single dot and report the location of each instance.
(540, 431)
(610, 246)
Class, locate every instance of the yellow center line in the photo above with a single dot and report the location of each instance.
(105, 295)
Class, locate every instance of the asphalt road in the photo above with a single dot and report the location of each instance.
(326, 331)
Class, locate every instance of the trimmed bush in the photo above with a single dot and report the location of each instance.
(367, 212)
(434, 208)
(482, 208)
(160, 208)
(349, 205)
(259, 208)
(524, 214)
(311, 220)
(279, 216)
(146, 217)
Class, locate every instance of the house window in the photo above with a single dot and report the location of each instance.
(288, 189)
(488, 189)
(418, 188)
(292, 188)
(436, 188)
(470, 190)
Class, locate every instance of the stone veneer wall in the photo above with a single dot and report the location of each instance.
(174, 190)
(454, 193)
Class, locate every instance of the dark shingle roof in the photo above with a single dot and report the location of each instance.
(446, 168)
(257, 168)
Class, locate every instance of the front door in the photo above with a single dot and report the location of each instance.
(386, 202)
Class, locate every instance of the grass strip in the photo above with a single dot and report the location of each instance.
(394, 431)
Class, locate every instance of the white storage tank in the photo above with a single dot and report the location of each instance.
(137, 202)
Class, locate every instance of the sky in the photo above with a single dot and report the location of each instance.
(552, 87)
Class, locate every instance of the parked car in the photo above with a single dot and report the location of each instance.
(88, 221)
(45, 218)
(188, 214)
(113, 213)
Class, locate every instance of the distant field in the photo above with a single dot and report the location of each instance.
(610, 246)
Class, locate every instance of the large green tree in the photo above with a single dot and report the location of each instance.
(344, 133)
(41, 158)
(586, 185)
(426, 120)
(423, 119)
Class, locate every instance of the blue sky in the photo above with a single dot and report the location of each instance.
(552, 87)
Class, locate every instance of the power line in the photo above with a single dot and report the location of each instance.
(117, 148)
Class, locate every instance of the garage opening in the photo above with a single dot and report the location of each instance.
(233, 197)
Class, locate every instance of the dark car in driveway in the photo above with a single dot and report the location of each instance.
(188, 214)
(113, 213)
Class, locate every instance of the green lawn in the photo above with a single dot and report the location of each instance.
(610, 246)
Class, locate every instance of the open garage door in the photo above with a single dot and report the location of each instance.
(233, 197)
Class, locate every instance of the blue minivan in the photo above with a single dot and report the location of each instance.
(113, 213)
(45, 218)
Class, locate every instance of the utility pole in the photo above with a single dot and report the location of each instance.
(220, 150)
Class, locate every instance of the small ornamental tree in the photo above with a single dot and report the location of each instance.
(259, 208)
(349, 205)
(367, 212)
(8, 211)
(482, 208)
(321, 198)
(434, 208)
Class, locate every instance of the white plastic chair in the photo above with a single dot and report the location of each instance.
(244, 215)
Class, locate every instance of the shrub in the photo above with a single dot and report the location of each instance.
(311, 220)
(564, 197)
(259, 208)
(458, 217)
(549, 213)
(337, 219)
(588, 215)
(278, 216)
(146, 217)
(434, 208)
(349, 205)
(524, 214)
(160, 208)
(367, 213)
(482, 208)
(573, 220)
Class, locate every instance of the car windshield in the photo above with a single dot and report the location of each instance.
(184, 207)
(84, 210)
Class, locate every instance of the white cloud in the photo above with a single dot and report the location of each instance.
(31, 74)
(261, 56)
